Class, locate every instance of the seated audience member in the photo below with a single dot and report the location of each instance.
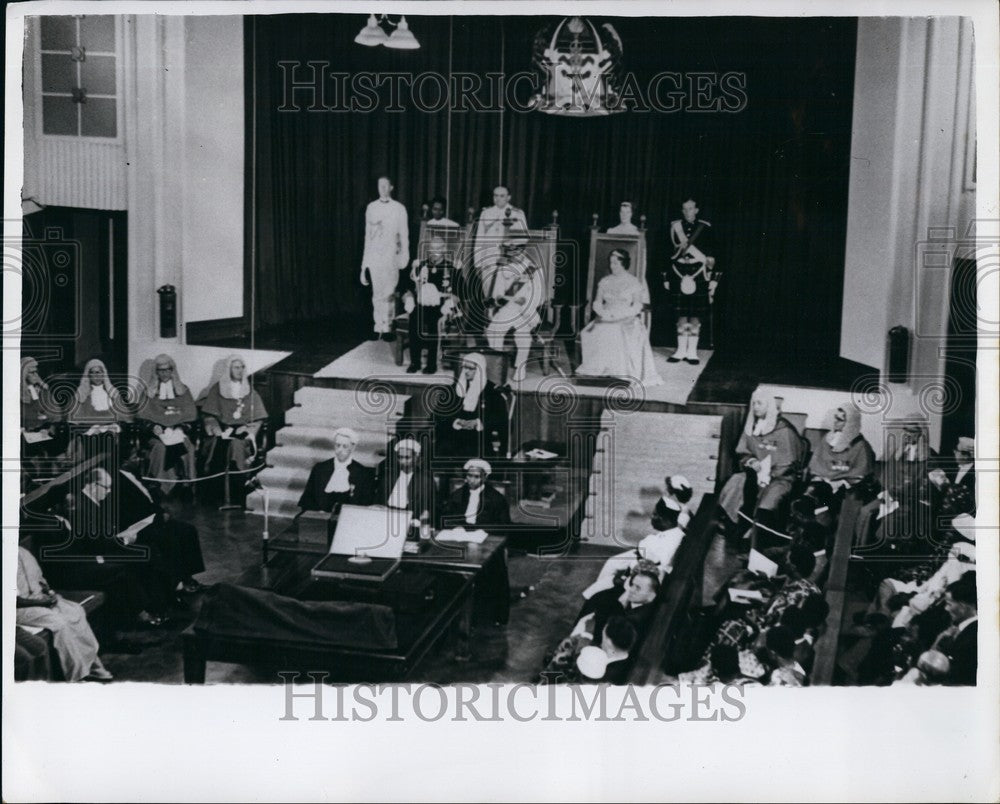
(479, 427)
(118, 513)
(797, 586)
(654, 552)
(676, 497)
(232, 412)
(955, 489)
(39, 607)
(166, 415)
(340, 479)
(401, 482)
(635, 603)
(97, 415)
(137, 588)
(723, 667)
(779, 650)
(960, 643)
(769, 452)
(843, 456)
(932, 668)
(611, 665)
(40, 416)
(905, 599)
(476, 504)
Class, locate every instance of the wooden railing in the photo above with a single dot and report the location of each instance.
(826, 646)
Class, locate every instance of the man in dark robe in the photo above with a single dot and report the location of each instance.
(476, 504)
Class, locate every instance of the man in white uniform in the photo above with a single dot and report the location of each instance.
(493, 238)
(387, 252)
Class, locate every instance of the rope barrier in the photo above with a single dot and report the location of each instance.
(757, 524)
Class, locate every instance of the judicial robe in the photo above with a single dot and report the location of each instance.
(315, 497)
(419, 491)
(493, 511)
(851, 464)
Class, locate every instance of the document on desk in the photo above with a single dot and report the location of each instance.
(462, 535)
(36, 436)
(745, 596)
(172, 436)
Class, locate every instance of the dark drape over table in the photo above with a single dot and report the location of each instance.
(772, 178)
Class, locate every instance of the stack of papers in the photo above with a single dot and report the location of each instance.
(540, 454)
(462, 535)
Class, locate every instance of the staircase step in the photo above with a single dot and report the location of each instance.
(322, 438)
(337, 400)
(341, 417)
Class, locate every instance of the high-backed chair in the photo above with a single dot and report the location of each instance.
(601, 245)
(542, 250)
(455, 239)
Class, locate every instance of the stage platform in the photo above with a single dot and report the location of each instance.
(373, 360)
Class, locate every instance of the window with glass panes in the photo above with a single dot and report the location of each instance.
(79, 76)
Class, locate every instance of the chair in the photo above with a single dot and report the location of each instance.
(455, 238)
(601, 245)
(541, 249)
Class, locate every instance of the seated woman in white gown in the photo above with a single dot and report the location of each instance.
(615, 343)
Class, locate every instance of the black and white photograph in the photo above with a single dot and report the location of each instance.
(539, 385)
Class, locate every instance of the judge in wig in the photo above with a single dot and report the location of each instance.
(340, 479)
(769, 453)
(40, 415)
(97, 414)
(166, 414)
(479, 424)
(843, 457)
(232, 412)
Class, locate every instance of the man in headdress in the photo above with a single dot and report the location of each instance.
(167, 413)
(402, 483)
(339, 480)
(476, 504)
(387, 252)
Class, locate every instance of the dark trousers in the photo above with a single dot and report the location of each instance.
(424, 334)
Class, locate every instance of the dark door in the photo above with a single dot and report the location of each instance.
(74, 288)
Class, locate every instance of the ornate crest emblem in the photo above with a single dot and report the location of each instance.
(581, 68)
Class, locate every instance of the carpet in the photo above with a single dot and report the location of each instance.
(374, 360)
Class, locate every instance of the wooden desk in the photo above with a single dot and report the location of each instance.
(288, 574)
(486, 563)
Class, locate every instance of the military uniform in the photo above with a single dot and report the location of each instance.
(688, 283)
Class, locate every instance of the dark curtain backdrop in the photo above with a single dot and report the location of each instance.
(772, 178)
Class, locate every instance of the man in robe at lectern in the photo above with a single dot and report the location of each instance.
(500, 229)
(387, 252)
(339, 480)
(402, 483)
(476, 504)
